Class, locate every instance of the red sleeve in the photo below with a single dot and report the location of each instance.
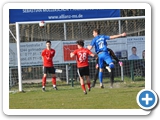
(75, 52)
(89, 52)
(43, 53)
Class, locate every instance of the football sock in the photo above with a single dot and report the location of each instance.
(44, 81)
(112, 76)
(96, 75)
(83, 87)
(54, 81)
(89, 85)
(100, 77)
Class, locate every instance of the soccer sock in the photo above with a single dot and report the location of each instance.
(100, 77)
(112, 76)
(43, 82)
(89, 85)
(96, 75)
(54, 81)
(83, 87)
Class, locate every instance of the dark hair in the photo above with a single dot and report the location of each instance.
(134, 48)
(97, 31)
(80, 42)
(48, 41)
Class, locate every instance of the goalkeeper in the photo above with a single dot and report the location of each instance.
(111, 72)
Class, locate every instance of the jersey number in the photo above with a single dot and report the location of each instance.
(101, 44)
(82, 57)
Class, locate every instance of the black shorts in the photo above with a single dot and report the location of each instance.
(83, 71)
(50, 70)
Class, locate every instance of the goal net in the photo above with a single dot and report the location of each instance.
(63, 35)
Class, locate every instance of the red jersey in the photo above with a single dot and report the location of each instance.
(82, 57)
(47, 57)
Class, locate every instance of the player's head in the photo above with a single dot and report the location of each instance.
(134, 50)
(48, 44)
(96, 32)
(80, 43)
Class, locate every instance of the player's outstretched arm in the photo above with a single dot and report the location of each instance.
(94, 55)
(71, 54)
(117, 36)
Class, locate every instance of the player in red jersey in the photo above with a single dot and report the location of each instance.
(82, 63)
(47, 56)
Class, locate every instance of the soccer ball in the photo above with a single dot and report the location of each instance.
(42, 24)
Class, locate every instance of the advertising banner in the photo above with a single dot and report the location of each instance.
(30, 52)
(22, 15)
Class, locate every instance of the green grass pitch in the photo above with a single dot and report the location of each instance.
(122, 96)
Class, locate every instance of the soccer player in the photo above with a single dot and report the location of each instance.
(82, 64)
(99, 41)
(47, 56)
(111, 53)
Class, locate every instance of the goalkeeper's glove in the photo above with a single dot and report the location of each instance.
(97, 66)
(120, 63)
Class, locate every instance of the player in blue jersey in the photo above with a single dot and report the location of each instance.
(111, 73)
(99, 41)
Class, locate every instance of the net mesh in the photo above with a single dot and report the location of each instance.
(74, 31)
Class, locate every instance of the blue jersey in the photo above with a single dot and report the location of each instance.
(100, 43)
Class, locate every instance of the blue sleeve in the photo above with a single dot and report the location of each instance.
(107, 37)
(92, 42)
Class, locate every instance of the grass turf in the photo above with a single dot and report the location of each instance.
(122, 96)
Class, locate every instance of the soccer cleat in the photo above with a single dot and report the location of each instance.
(108, 68)
(101, 86)
(55, 88)
(85, 92)
(43, 89)
(111, 86)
